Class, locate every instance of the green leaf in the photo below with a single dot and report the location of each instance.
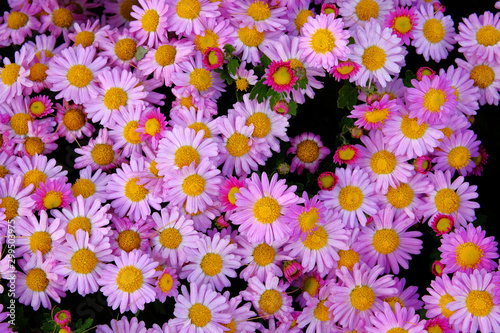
(351, 40)
(232, 66)
(140, 53)
(348, 96)
(409, 75)
(229, 49)
(259, 90)
(265, 61)
(292, 108)
(86, 324)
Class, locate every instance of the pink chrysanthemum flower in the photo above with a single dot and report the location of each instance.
(387, 243)
(38, 73)
(248, 42)
(150, 24)
(327, 181)
(229, 187)
(437, 268)
(123, 325)
(249, 13)
(479, 161)
(439, 297)
(152, 126)
(425, 71)
(36, 169)
(308, 152)
(467, 249)
(127, 236)
(55, 193)
(190, 117)
(423, 164)
(187, 18)
(123, 132)
(17, 24)
(406, 298)
(15, 198)
(315, 314)
(439, 324)
(98, 153)
(244, 78)
(345, 70)
(72, 122)
(241, 315)
(62, 318)
(40, 138)
(91, 184)
(260, 208)
(120, 47)
(358, 12)
(330, 9)
(374, 115)
(441, 223)
(486, 76)
(39, 106)
(396, 319)
(402, 21)
(213, 58)
(14, 76)
(280, 76)
(167, 284)
(59, 18)
(324, 41)
(90, 33)
(297, 14)
(466, 91)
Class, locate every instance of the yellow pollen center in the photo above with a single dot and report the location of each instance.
(447, 201)
(47, 53)
(347, 154)
(135, 192)
(126, 9)
(270, 301)
(79, 223)
(36, 280)
(211, 264)
(153, 169)
(374, 58)
(165, 282)
(263, 254)
(193, 185)
(37, 108)
(34, 145)
(434, 99)
(231, 327)
(129, 240)
(311, 286)
(266, 210)
(129, 279)
(210, 39)
(482, 75)
(3, 170)
(152, 126)
(317, 239)
(199, 315)
(434, 329)
(411, 129)
(150, 20)
(170, 238)
(327, 181)
(10, 73)
(187, 102)
(308, 151)
(362, 297)
(468, 255)
(19, 123)
(397, 330)
(392, 302)
(459, 157)
(488, 35)
(198, 126)
(366, 9)
(41, 241)
(34, 177)
(79, 76)
(261, 123)
(103, 154)
(383, 162)
(52, 199)
(237, 145)
(351, 198)
(165, 55)
(242, 84)
(188, 9)
(479, 303)
(401, 196)
(308, 220)
(83, 261)
(301, 18)
(230, 196)
(74, 119)
(322, 41)
(17, 20)
(10, 205)
(185, 155)
(282, 76)
(444, 224)
(130, 134)
(38, 72)
(434, 30)
(402, 24)
(62, 17)
(321, 312)
(345, 69)
(125, 49)
(84, 38)
(445, 299)
(115, 97)
(385, 241)
(376, 116)
(201, 79)
(213, 58)
(84, 187)
(250, 37)
(259, 11)
(447, 132)
(347, 259)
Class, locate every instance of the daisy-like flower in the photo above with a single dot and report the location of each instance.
(397, 319)
(90, 185)
(375, 114)
(303, 220)
(240, 315)
(345, 70)
(118, 12)
(229, 187)
(386, 167)
(244, 78)
(82, 259)
(150, 24)
(249, 13)
(260, 208)
(187, 17)
(269, 297)
(379, 52)
(352, 197)
(73, 74)
(17, 24)
(248, 42)
(72, 122)
(466, 92)
(439, 324)
(213, 58)
(479, 161)
(89, 34)
(127, 236)
(36, 169)
(98, 153)
(297, 14)
(280, 76)
(152, 126)
(187, 98)
(120, 47)
(348, 154)
(167, 284)
(39, 106)
(441, 224)
(467, 249)
(451, 198)
(327, 181)
(38, 72)
(211, 262)
(486, 76)
(360, 294)
(14, 199)
(38, 282)
(439, 297)
(123, 325)
(309, 152)
(324, 41)
(434, 34)
(476, 303)
(190, 117)
(14, 76)
(402, 20)
(54, 193)
(387, 243)
(479, 37)
(360, 12)
(40, 139)
(406, 298)
(201, 309)
(124, 132)
(316, 314)
(62, 318)
(59, 18)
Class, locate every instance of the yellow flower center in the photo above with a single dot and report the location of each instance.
(376, 116)
(459, 157)
(392, 302)
(347, 154)
(434, 99)
(115, 97)
(170, 238)
(362, 298)
(402, 24)
(135, 192)
(347, 259)
(36, 280)
(210, 39)
(201, 79)
(41, 241)
(34, 145)
(187, 102)
(397, 330)
(34, 177)
(129, 279)
(74, 119)
(282, 76)
(79, 223)
(366, 9)
(211, 264)
(52, 199)
(308, 220)
(130, 134)
(231, 326)
(317, 239)
(266, 210)
(385, 241)
(185, 155)
(165, 282)
(488, 35)
(261, 123)
(198, 126)
(47, 53)
(351, 198)
(447, 132)
(165, 55)
(468, 255)
(62, 17)
(321, 312)
(482, 75)
(125, 49)
(374, 58)
(301, 18)
(434, 329)
(152, 168)
(10, 73)
(383, 162)
(445, 299)
(38, 72)
(129, 240)
(79, 76)
(103, 154)
(434, 30)
(250, 37)
(322, 41)
(150, 20)
(411, 129)
(10, 205)
(444, 224)
(401, 196)
(84, 38)
(237, 145)
(83, 261)
(263, 254)
(345, 69)
(200, 315)
(188, 9)
(19, 123)
(447, 201)
(311, 286)
(479, 303)
(152, 126)
(193, 185)
(327, 181)
(308, 151)
(84, 187)
(242, 84)
(37, 108)
(270, 301)
(17, 20)
(230, 196)
(126, 9)
(3, 170)
(259, 11)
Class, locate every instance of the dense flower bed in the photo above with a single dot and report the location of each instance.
(244, 166)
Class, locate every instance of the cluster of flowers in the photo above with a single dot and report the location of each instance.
(153, 180)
